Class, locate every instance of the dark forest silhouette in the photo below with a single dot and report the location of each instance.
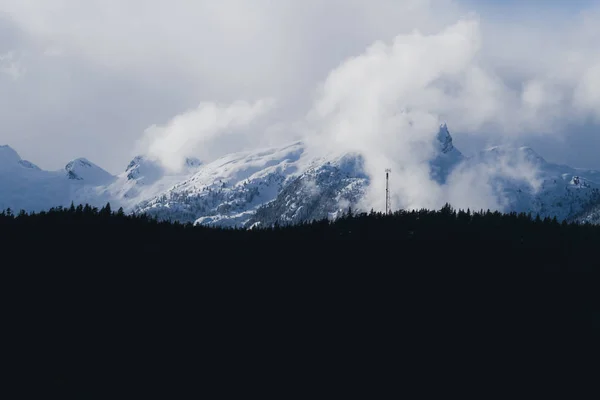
(106, 289)
(444, 227)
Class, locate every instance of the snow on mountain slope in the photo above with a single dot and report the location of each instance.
(286, 185)
(9, 158)
(524, 182)
(335, 184)
(25, 186)
(142, 179)
(283, 185)
(558, 190)
(322, 191)
(590, 215)
(229, 190)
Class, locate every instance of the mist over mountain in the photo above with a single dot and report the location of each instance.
(290, 184)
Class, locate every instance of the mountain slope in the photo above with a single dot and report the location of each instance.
(559, 191)
(323, 190)
(286, 185)
(83, 170)
(23, 185)
(281, 185)
(228, 190)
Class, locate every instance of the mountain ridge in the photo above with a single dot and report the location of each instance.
(279, 184)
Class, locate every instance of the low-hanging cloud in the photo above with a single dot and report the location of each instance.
(387, 104)
(194, 133)
(479, 183)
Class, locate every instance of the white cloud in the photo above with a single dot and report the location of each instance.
(189, 134)
(479, 184)
(387, 104)
(587, 91)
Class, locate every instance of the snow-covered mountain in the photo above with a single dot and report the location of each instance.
(562, 191)
(25, 186)
(228, 190)
(283, 185)
(84, 170)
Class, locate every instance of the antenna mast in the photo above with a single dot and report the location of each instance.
(388, 203)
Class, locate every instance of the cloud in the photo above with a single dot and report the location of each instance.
(120, 66)
(479, 183)
(388, 102)
(198, 131)
(9, 65)
(380, 105)
(587, 92)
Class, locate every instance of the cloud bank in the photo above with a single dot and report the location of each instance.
(387, 104)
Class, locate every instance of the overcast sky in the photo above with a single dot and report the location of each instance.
(107, 79)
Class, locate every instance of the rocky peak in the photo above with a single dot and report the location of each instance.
(137, 160)
(142, 169)
(444, 139)
(78, 163)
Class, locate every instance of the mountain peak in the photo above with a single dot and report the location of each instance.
(8, 157)
(137, 160)
(444, 139)
(286, 185)
(144, 170)
(447, 156)
(79, 162)
(519, 153)
(82, 169)
(8, 152)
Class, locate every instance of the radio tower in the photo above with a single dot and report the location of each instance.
(388, 203)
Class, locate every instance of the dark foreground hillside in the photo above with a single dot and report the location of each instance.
(443, 238)
(96, 294)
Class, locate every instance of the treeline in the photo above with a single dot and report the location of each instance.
(464, 233)
(447, 224)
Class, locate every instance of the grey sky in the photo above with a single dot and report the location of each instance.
(88, 78)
